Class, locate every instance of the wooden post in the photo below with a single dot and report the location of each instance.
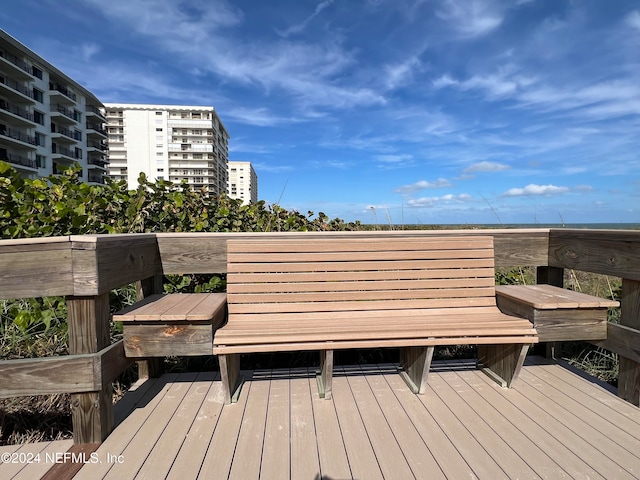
(629, 375)
(150, 367)
(92, 412)
(325, 375)
(415, 363)
(551, 276)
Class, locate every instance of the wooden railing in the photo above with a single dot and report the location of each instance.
(85, 269)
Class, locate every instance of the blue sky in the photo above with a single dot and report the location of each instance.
(386, 111)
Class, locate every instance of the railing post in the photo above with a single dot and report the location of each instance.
(88, 321)
(551, 276)
(629, 375)
(150, 367)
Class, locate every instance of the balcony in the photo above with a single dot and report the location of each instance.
(65, 154)
(18, 160)
(97, 163)
(17, 113)
(18, 67)
(61, 93)
(99, 146)
(17, 137)
(16, 91)
(96, 129)
(63, 114)
(92, 111)
(63, 134)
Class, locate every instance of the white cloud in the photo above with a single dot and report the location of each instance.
(486, 167)
(400, 74)
(422, 185)
(535, 190)
(633, 19)
(301, 26)
(394, 158)
(260, 117)
(432, 201)
(471, 18)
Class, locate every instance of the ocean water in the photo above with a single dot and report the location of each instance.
(600, 226)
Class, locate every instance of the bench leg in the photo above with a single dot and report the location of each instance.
(502, 362)
(415, 363)
(325, 375)
(230, 377)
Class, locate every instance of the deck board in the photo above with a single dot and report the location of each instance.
(553, 424)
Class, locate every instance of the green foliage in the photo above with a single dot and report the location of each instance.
(64, 205)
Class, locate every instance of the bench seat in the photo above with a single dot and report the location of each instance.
(334, 293)
(557, 314)
(172, 324)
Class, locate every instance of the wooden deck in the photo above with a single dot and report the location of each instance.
(553, 424)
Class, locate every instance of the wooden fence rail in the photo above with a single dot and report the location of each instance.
(86, 268)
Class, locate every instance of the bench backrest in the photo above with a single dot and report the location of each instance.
(325, 276)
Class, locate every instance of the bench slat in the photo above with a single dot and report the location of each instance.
(359, 266)
(413, 285)
(274, 318)
(313, 257)
(364, 305)
(220, 349)
(358, 245)
(549, 297)
(358, 296)
(417, 274)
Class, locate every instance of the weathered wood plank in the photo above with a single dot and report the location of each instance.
(624, 341)
(103, 262)
(64, 374)
(629, 375)
(92, 412)
(141, 341)
(36, 269)
(609, 252)
(207, 252)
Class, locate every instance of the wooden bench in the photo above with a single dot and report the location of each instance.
(335, 293)
(557, 314)
(172, 324)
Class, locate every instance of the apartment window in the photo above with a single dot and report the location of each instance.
(38, 117)
(41, 161)
(195, 115)
(159, 154)
(37, 95)
(160, 177)
(123, 171)
(158, 129)
(184, 147)
(159, 145)
(158, 113)
(197, 156)
(160, 170)
(39, 139)
(184, 132)
(196, 132)
(185, 156)
(36, 72)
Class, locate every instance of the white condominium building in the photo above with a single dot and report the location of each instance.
(168, 142)
(243, 182)
(48, 121)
